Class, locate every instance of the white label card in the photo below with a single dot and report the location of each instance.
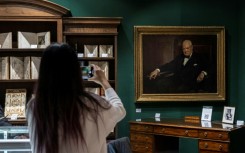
(104, 55)
(138, 110)
(14, 117)
(157, 115)
(79, 54)
(90, 55)
(33, 46)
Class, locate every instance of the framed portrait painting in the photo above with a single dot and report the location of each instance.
(179, 63)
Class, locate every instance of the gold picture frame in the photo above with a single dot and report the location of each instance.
(161, 44)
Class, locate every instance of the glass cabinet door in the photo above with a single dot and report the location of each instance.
(14, 139)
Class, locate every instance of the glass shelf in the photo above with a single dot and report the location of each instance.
(14, 139)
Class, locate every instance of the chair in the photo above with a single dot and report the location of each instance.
(121, 145)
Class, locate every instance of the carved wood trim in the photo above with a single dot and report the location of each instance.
(31, 8)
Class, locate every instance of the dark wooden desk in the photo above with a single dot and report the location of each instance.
(151, 136)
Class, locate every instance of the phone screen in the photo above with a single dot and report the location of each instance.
(87, 72)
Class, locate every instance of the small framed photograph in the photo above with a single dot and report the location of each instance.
(207, 113)
(228, 114)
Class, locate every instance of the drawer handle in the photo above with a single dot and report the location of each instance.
(220, 135)
(163, 129)
(220, 147)
(146, 127)
(205, 134)
(206, 145)
(186, 132)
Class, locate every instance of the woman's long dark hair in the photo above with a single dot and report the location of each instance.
(59, 99)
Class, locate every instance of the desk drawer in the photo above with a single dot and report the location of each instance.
(213, 146)
(176, 131)
(217, 135)
(137, 147)
(139, 127)
(138, 137)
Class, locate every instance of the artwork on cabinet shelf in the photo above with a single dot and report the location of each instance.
(179, 63)
(228, 114)
(4, 68)
(6, 40)
(35, 63)
(15, 102)
(106, 50)
(33, 40)
(103, 65)
(90, 50)
(20, 67)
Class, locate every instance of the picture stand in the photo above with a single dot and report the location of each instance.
(228, 115)
(207, 113)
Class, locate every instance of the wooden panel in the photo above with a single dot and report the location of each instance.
(138, 137)
(176, 131)
(145, 128)
(102, 25)
(34, 8)
(213, 146)
(217, 135)
(141, 147)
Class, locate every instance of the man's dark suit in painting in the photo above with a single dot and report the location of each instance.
(175, 77)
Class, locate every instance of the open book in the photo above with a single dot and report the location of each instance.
(33, 40)
(91, 50)
(4, 68)
(15, 102)
(20, 67)
(6, 40)
(106, 50)
(35, 63)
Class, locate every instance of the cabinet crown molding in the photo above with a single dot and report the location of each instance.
(32, 8)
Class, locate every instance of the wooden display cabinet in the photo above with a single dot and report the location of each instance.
(42, 16)
(94, 31)
(81, 32)
(27, 16)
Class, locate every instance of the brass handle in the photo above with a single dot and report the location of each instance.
(220, 147)
(205, 134)
(206, 145)
(186, 132)
(220, 135)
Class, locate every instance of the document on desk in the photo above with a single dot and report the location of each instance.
(207, 113)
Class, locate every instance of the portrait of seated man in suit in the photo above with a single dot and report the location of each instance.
(184, 74)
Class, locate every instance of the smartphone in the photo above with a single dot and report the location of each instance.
(87, 72)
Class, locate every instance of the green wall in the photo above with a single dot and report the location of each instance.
(228, 13)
